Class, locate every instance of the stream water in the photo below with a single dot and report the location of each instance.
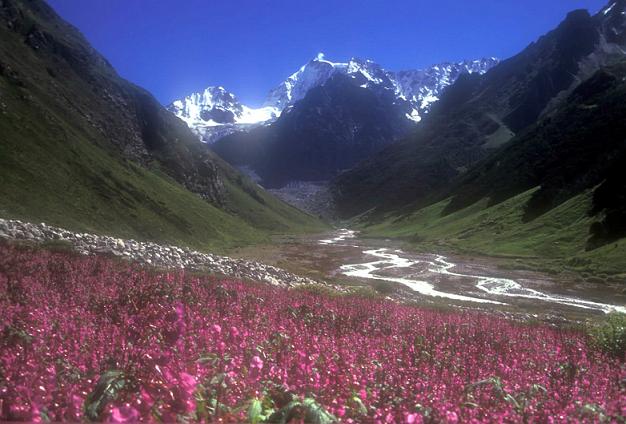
(438, 276)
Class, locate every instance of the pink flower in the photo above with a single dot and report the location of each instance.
(146, 398)
(180, 311)
(397, 359)
(77, 402)
(124, 414)
(256, 362)
(451, 417)
(414, 419)
(341, 411)
(188, 381)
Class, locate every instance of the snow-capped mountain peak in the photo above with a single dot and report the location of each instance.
(216, 106)
(317, 72)
(213, 104)
(369, 72)
(215, 112)
(294, 88)
(419, 87)
(423, 87)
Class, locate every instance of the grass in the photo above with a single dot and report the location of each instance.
(65, 180)
(609, 334)
(552, 242)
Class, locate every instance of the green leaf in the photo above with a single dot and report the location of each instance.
(219, 380)
(212, 358)
(281, 416)
(360, 406)
(107, 389)
(470, 404)
(316, 414)
(536, 388)
(491, 381)
(255, 411)
(201, 403)
(510, 399)
(17, 334)
(44, 415)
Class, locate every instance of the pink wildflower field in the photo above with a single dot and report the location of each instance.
(90, 338)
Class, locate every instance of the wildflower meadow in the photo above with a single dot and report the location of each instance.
(93, 338)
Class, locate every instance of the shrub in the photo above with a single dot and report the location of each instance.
(609, 334)
(318, 289)
(57, 245)
(384, 287)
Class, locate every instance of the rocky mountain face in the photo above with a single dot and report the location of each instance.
(332, 128)
(216, 113)
(423, 87)
(481, 113)
(79, 145)
(325, 118)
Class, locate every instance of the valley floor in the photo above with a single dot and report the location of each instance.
(388, 268)
(341, 262)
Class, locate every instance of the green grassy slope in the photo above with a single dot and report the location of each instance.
(50, 172)
(554, 241)
(69, 127)
(554, 196)
(474, 116)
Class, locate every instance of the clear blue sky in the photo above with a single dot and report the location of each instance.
(173, 48)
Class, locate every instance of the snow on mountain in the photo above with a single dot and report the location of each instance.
(423, 87)
(420, 87)
(216, 113)
(317, 72)
(294, 88)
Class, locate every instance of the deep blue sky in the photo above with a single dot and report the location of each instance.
(173, 48)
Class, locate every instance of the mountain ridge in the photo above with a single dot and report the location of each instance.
(477, 116)
(334, 126)
(419, 88)
(579, 148)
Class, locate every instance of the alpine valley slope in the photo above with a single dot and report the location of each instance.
(479, 114)
(555, 194)
(84, 149)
